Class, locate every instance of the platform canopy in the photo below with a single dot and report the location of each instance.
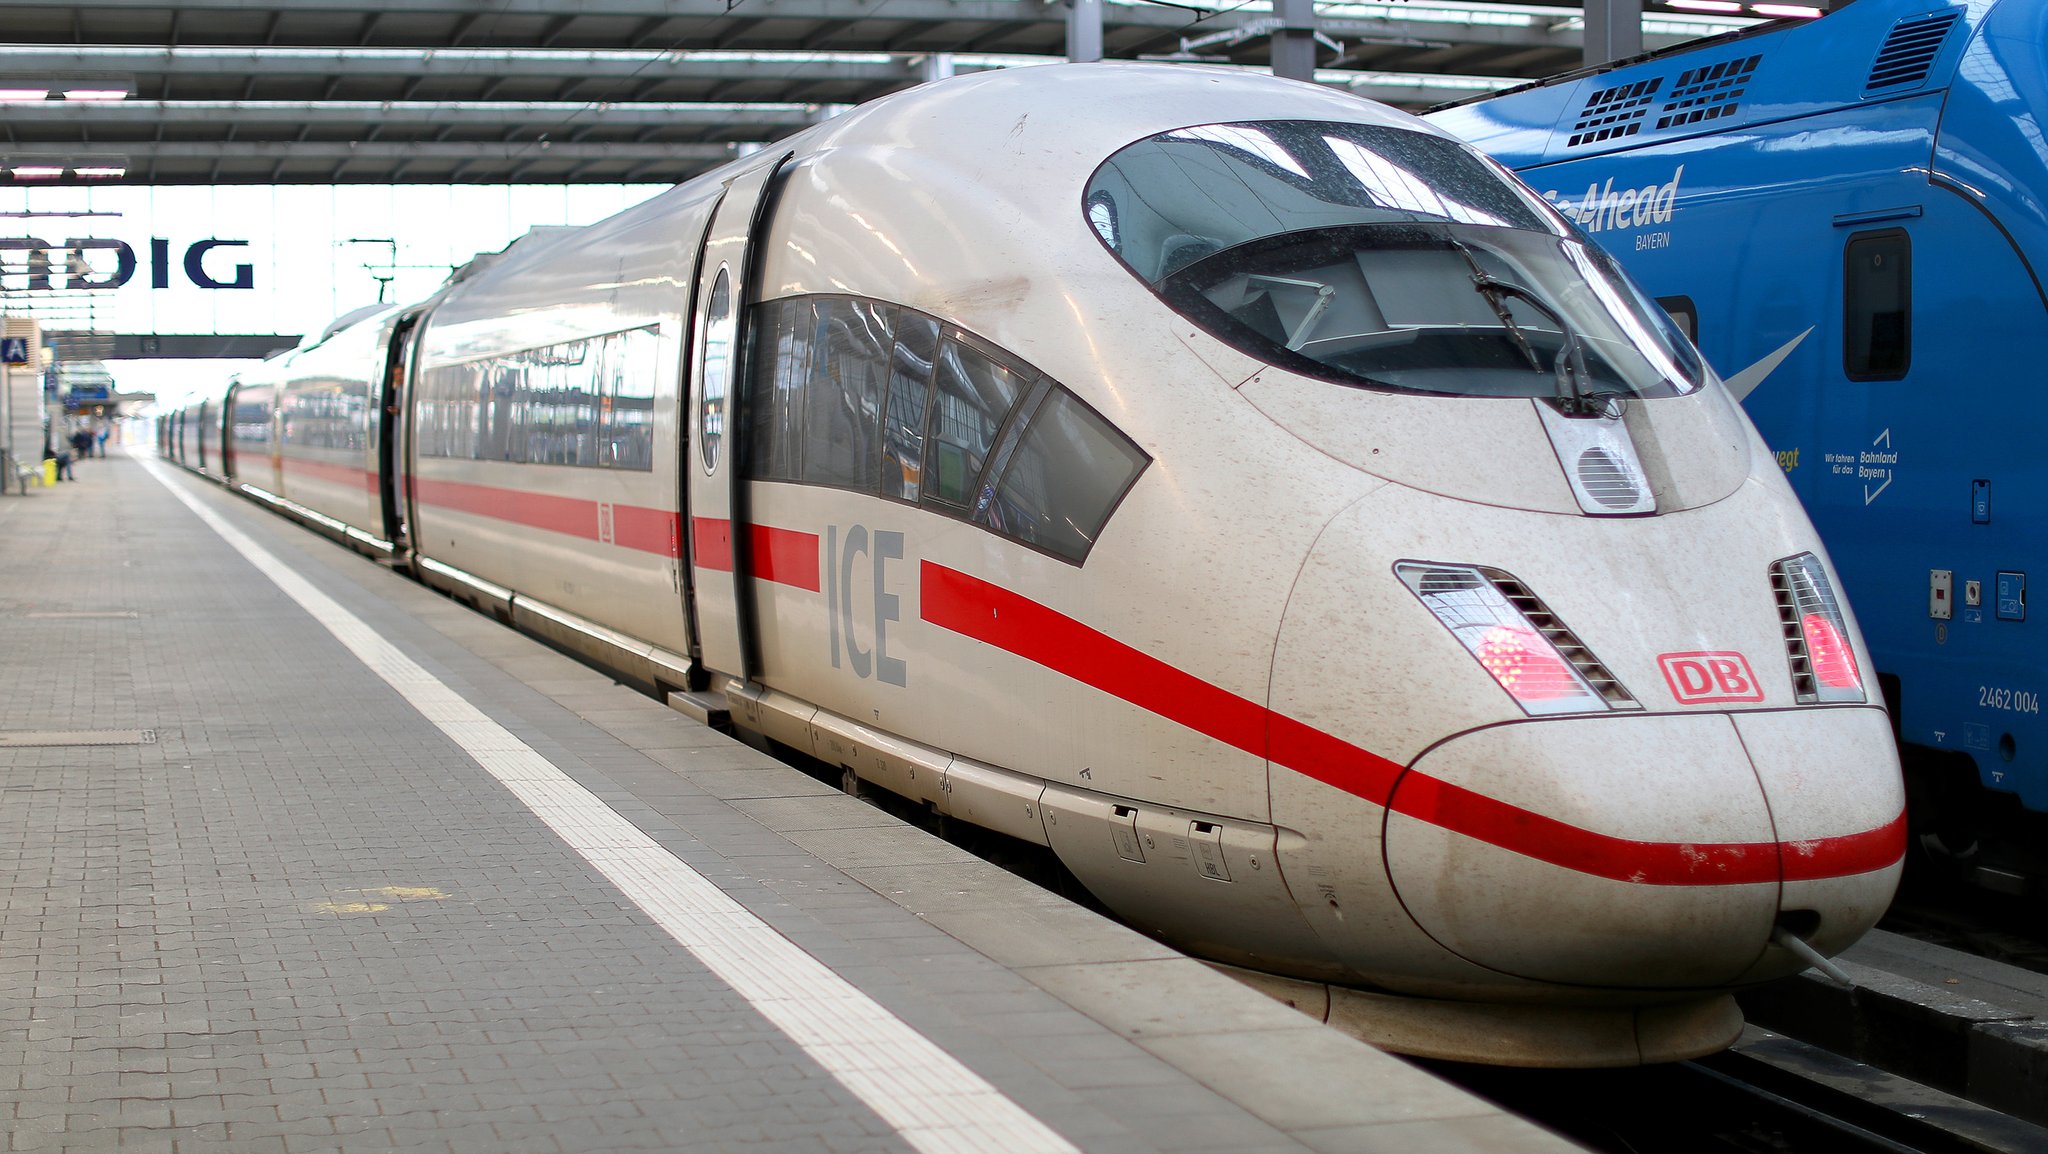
(543, 91)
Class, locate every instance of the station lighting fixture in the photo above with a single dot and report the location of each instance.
(73, 86)
(1736, 8)
(42, 168)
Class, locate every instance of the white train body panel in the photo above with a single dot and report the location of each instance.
(602, 539)
(328, 424)
(249, 449)
(1467, 681)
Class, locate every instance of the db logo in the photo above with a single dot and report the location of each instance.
(1698, 678)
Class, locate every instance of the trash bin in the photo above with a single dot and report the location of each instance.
(50, 471)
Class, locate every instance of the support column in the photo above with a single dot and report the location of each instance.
(1084, 31)
(1614, 30)
(1294, 42)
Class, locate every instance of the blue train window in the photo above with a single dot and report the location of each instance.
(1684, 314)
(1877, 305)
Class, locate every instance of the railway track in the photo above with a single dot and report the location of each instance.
(1769, 1094)
(1942, 909)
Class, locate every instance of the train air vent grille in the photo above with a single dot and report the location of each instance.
(1436, 582)
(1608, 481)
(1708, 92)
(1568, 645)
(1615, 112)
(1908, 53)
(1804, 688)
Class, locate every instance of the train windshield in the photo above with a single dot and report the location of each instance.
(1382, 258)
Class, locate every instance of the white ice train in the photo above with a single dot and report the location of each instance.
(1247, 492)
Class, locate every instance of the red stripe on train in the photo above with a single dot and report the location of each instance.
(989, 613)
(631, 526)
(354, 476)
(784, 556)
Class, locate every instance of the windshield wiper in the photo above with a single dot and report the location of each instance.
(1570, 369)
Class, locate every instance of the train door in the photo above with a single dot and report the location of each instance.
(227, 427)
(204, 408)
(715, 499)
(393, 478)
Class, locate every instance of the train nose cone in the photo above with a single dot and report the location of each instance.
(1639, 852)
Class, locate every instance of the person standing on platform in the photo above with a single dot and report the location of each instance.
(81, 442)
(100, 438)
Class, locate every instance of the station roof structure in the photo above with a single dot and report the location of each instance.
(543, 91)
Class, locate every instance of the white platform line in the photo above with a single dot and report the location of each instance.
(938, 1105)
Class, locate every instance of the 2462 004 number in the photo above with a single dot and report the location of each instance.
(2009, 700)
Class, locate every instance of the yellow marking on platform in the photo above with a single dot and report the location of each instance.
(408, 893)
(351, 907)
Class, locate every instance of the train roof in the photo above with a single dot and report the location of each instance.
(1869, 51)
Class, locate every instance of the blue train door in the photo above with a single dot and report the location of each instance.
(715, 495)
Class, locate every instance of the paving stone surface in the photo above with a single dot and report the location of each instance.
(290, 915)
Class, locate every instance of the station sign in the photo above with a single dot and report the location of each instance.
(199, 260)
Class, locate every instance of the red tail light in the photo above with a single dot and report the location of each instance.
(1526, 665)
(1834, 665)
(1818, 644)
(1530, 663)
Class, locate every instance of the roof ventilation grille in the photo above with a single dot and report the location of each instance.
(1615, 112)
(1709, 92)
(1908, 53)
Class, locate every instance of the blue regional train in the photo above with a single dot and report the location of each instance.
(1850, 216)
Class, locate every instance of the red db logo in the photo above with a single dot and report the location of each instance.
(1698, 678)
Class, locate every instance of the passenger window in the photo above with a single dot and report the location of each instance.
(843, 424)
(717, 354)
(781, 369)
(1877, 305)
(628, 364)
(1065, 478)
(972, 395)
(910, 386)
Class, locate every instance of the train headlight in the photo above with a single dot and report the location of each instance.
(1816, 635)
(1515, 638)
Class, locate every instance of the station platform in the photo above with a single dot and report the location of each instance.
(297, 855)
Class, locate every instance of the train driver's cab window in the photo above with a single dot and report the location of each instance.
(870, 397)
(1877, 305)
(1380, 257)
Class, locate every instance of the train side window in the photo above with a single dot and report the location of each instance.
(447, 419)
(1877, 305)
(1066, 476)
(843, 398)
(1684, 314)
(783, 331)
(972, 396)
(910, 387)
(627, 363)
(717, 369)
(587, 402)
